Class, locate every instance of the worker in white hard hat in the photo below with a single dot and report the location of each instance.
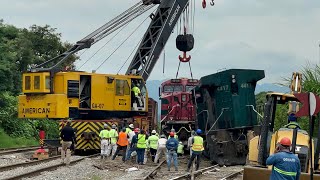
(131, 133)
(113, 134)
(104, 135)
(153, 144)
(161, 148)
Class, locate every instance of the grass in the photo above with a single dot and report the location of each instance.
(10, 142)
(95, 177)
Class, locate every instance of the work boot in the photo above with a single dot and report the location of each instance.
(168, 169)
(176, 169)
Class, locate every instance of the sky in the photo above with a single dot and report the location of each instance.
(276, 36)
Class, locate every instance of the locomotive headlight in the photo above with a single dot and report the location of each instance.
(184, 97)
(233, 80)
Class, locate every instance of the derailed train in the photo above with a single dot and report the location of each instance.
(226, 112)
(224, 105)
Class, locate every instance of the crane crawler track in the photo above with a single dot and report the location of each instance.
(40, 170)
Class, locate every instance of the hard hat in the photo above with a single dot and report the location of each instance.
(172, 130)
(153, 132)
(180, 142)
(131, 126)
(136, 130)
(163, 136)
(171, 134)
(285, 141)
(199, 131)
(113, 126)
(105, 125)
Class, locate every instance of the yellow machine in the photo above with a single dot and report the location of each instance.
(79, 95)
(92, 99)
(264, 144)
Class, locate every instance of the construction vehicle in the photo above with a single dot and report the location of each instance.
(50, 92)
(264, 144)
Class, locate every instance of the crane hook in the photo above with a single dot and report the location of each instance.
(212, 3)
(184, 58)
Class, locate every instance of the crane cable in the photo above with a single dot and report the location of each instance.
(122, 43)
(104, 45)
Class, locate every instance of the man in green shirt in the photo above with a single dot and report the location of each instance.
(153, 144)
(104, 135)
(136, 91)
(113, 135)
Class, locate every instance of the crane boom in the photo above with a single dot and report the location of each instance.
(156, 36)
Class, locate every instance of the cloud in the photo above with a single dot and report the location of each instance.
(277, 36)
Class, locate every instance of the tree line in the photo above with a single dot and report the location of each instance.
(20, 47)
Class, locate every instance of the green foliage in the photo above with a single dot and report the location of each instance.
(7, 141)
(18, 49)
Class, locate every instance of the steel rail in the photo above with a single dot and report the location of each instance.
(12, 166)
(17, 150)
(232, 175)
(38, 171)
(188, 175)
(152, 173)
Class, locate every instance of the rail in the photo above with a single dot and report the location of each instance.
(12, 166)
(232, 175)
(187, 175)
(38, 171)
(152, 173)
(17, 150)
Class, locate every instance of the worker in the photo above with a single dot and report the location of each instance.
(285, 164)
(153, 144)
(122, 144)
(190, 142)
(172, 146)
(180, 150)
(292, 122)
(175, 136)
(130, 135)
(104, 135)
(197, 148)
(130, 128)
(133, 143)
(161, 148)
(141, 146)
(68, 136)
(113, 135)
(136, 91)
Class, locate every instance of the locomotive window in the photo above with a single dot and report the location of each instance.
(175, 88)
(189, 88)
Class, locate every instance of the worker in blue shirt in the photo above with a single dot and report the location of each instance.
(285, 165)
(172, 147)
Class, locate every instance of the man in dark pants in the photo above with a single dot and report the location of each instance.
(68, 136)
(197, 148)
(141, 146)
(285, 165)
(172, 146)
(133, 144)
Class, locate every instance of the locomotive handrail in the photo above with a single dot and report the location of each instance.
(217, 119)
(169, 112)
(255, 110)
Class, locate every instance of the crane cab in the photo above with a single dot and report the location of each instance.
(81, 95)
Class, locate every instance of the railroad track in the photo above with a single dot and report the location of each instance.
(40, 170)
(24, 164)
(232, 175)
(153, 172)
(17, 150)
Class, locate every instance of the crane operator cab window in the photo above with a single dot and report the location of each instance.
(138, 94)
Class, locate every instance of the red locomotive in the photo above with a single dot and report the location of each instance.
(178, 109)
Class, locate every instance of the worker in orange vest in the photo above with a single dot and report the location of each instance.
(122, 144)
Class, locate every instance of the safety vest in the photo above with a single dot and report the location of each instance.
(142, 143)
(136, 90)
(104, 134)
(180, 149)
(292, 125)
(197, 143)
(123, 139)
(128, 130)
(153, 141)
(113, 134)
